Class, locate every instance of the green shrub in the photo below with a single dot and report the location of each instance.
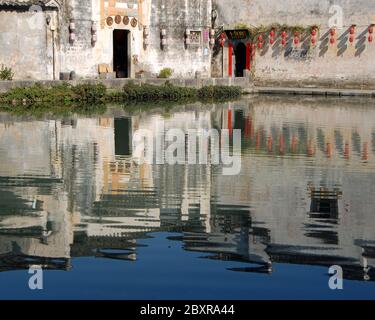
(165, 73)
(87, 95)
(219, 92)
(89, 92)
(63, 93)
(148, 92)
(6, 73)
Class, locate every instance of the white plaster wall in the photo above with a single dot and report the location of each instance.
(25, 45)
(325, 64)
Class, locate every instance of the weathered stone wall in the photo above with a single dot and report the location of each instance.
(78, 56)
(176, 17)
(173, 16)
(29, 53)
(29, 50)
(26, 44)
(340, 64)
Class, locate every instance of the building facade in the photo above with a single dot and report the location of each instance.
(40, 39)
(120, 38)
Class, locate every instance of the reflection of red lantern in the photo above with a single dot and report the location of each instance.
(260, 45)
(351, 39)
(283, 34)
(296, 41)
(283, 42)
(272, 41)
(313, 41)
(370, 38)
(352, 30)
(332, 40)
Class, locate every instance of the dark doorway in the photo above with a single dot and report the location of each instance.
(123, 142)
(240, 53)
(121, 53)
(239, 120)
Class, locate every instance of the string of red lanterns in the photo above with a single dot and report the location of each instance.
(297, 37)
(332, 33)
(352, 33)
(370, 32)
(272, 36)
(283, 36)
(314, 33)
(260, 42)
(222, 40)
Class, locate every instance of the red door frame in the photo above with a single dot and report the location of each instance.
(230, 59)
(248, 56)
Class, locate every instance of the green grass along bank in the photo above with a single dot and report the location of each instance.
(67, 94)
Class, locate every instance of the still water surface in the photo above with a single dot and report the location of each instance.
(74, 201)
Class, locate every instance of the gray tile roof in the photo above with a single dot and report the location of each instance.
(20, 3)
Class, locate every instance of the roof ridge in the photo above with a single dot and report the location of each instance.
(22, 2)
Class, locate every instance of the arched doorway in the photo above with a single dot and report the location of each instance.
(240, 53)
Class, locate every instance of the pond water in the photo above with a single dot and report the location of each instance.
(76, 202)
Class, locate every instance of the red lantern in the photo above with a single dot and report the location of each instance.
(296, 33)
(332, 40)
(222, 40)
(260, 45)
(371, 29)
(296, 41)
(272, 41)
(283, 34)
(272, 33)
(332, 32)
(314, 32)
(352, 30)
(260, 38)
(283, 42)
(351, 39)
(313, 41)
(370, 38)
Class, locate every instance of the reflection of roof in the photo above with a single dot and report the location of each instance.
(11, 262)
(352, 268)
(24, 4)
(105, 247)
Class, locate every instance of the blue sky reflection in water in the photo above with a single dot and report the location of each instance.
(73, 201)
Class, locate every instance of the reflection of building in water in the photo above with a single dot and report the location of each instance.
(76, 191)
(325, 203)
(282, 161)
